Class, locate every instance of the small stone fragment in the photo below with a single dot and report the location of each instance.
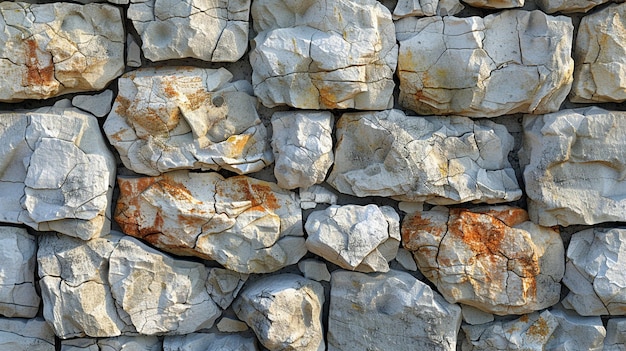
(247, 225)
(405, 259)
(615, 335)
(215, 31)
(18, 334)
(410, 8)
(314, 269)
(303, 147)
(568, 6)
(473, 316)
(209, 342)
(229, 325)
(361, 238)
(389, 311)
(284, 311)
(439, 160)
(492, 258)
(18, 297)
(99, 104)
(171, 118)
(316, 194)
(133, 52)
(495, 4)
(120, 343)
(510, 62)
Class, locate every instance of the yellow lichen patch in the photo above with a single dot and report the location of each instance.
(237, 144)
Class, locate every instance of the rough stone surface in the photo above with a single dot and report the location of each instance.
(316, 194)
(574, 166)
(361, 238)
(600, 56)
(56, 172)
(389, 311)
(303, 147)
(18, 334)
(18, 297)
(485, 67)
(495, 4)
(331, 54)
(615, 335)
(215, 31)
(212, 342)
(473, 316)
(492, 258)
(57, 48)
(284, 311)
(568, 6)
(98, 105)
(440, 160)
(314, 269)
(120, 343)
(409, 8)
(133, 52)
(229, 325)
(184, 117)
(245, 224)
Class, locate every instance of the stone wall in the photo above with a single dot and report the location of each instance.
(312, 175)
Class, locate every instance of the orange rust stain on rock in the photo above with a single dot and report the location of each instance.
(38, 73)
(199, 98)
(328, 99)
(238, 144)
(175, 189)
(482, 233)
(260, 195)
(539, 329)
(414, 224)
(511, 216)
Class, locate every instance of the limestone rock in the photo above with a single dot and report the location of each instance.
(212, 342)
(229, 325)
(568, 6)
(600, 56)
(314, 269)
(133, 52)
(615, 335)
(405, 259)
(18, 334)
(56, 172)
(492, 258)
(409, 8)
(389, 311)
(184, 117)
(316, 194)
(332, 54)
(303, 147)
(18, 259)
(120, 343)
(495, 4)
(473, 316)
(439, 160)
(485, 67)
(284, 311)
(99, 104)
(215, 31)
(361, 238)
(57, 48)
(574, 166)
(247, 225)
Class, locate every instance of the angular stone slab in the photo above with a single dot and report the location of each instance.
(18, 297)
(56, 172)
(245, 224)
(439, 160)
(332, 54)
(389, 311)
(409, 8)
(615, 335)
(172, 118)
(120, 343)
(495, 4)
(18, 334)
(210, 341)
(492, 258)
(574, 164)
(600, 56)
(58, 48)
(485, 67)
(568, 6)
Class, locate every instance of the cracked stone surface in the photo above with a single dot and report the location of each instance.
(331, 54)
(98, 105)
(209, 341)
(361, 238)
(214, 30)
(600, 56)
(510, 62)
(316, 194)
(302, 142)
(568, 6)
(57, 48)
(172, 118)
(594, 272)
(17, 334)
(245, 224)
(615, 335)
(120, 343)
(574, 166)
(284, 311)
(492, 258)
(18, 297)
(550, 330)
(495, 4)
(409, 8)
(389, 311)
(56, 172)
(439, 160)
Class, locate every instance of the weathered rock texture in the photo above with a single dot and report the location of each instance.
(600, 55)
(120, 343)
(56, 172)
(214, 31)
(495, 4)
(330, 54)
(575, 161)
(245, 224)
(389, 311)
(165, 119)
(492, 258)
(568, 6)
(212, 342)
(18, 297)
(509, 62)
(57, 48)
(408, 8)
(615, 335)
(18, 334)
(440, 160)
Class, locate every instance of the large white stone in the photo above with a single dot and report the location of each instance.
(361, 238)
(600, 56)
(303, 147)
(18, 334)
(568, 6)
(57, 48)
(184, 117)
(440, 160)
(245, 224)
(492, 258)
(120, 343)
(331, 54)
(213, 30)
(509, 62)
(209, 342)
(389, 311)
(284, 311)
(409, 8)
(56, 172)
(18, 297)
(574, 164)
